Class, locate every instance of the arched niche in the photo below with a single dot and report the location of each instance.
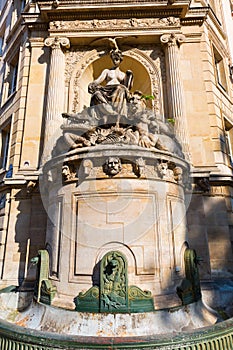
(147, 77)
(124, 249)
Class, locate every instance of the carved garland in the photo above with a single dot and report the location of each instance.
(81, 59)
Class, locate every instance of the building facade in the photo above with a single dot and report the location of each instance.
(180, 52)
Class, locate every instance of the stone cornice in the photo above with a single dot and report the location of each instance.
(100, 13)
(100, 9)
(33, 21)
(195, 15)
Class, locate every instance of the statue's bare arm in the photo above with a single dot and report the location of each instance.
(102, 77)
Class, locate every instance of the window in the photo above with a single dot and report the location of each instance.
(2, 38)
(18, 7)
(23, 4)
(5, 139)
(12, 78)
(229, 140)
(1, 44)
(10, 81)
(220, 70)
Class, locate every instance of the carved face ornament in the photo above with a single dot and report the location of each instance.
(113, 166)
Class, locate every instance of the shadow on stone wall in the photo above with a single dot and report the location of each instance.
(30, 230)
(210, 235)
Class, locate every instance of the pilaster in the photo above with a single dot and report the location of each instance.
(36, 90)
(56, 90)
(175, 88)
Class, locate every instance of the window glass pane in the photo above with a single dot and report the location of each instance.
(5, 136)
(12, 78)
(229, 141)
(220, 70)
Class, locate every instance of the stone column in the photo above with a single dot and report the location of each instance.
(56, 92)
(175, 88)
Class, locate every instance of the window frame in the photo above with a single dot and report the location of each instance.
(220, 70)
(5, 132)
(11, 75)
(228, 130)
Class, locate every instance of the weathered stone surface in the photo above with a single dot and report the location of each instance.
(49, 319)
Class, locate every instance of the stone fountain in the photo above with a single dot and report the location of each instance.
(117, 261)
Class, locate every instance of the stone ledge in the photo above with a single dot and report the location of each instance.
(12, 336)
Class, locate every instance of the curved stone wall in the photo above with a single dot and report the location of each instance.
(126, 199)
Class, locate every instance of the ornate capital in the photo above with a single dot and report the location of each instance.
(172, 39)
(57, 42)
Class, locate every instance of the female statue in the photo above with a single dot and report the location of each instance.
(111, 99)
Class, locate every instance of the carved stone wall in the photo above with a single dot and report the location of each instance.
(127, 199)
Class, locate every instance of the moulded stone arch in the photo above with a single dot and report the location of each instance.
(155, 77)
(184, 246)
(147, 77)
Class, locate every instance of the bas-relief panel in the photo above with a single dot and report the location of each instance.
(119, 24)
(148, 60)
(114, 219)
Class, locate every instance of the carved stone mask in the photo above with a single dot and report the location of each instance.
(112, 166)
